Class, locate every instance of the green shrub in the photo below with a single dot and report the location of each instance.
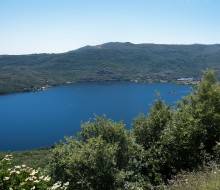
(24, 177)
(103, 156)
(184, 137)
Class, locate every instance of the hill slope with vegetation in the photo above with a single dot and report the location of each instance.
(161, 144)
(110, 61)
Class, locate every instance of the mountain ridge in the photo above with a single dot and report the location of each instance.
(110, 61)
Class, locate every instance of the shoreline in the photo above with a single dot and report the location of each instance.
(45, 87)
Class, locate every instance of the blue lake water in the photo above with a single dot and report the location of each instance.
(34, 119)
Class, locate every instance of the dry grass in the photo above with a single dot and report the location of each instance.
(208, 179)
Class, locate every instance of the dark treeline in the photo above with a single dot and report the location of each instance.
(166, 141)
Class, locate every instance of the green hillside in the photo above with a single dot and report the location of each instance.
(110, 61)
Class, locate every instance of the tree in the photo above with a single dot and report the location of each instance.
(148, 128)
(194, 129)
(103, 156)
(205, 105)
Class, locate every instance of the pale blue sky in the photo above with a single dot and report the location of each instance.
(52, 26)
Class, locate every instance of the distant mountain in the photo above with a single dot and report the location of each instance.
(109, 61)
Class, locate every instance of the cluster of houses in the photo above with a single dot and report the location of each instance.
(185, 79)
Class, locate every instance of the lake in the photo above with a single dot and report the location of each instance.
(34, 119)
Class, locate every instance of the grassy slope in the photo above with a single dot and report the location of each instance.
(33, 158)
(111, 61)
(207, 179)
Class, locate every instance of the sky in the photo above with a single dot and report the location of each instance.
(56, 26)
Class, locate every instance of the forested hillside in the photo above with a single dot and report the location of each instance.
(110, 61)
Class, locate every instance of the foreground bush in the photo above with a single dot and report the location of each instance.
(184, 137)
(23, 177)
(103, 156)
(193, 132)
